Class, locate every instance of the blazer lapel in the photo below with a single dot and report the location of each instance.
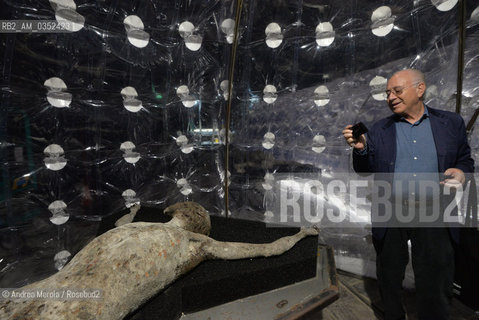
(438, 126)
(388, 140)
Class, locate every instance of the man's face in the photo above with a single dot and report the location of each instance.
(404, 93)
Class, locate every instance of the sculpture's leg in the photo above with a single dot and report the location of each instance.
(240, 250)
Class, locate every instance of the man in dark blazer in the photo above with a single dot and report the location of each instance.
(415, 139)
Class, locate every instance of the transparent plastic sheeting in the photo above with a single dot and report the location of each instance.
(125, 108)
(129, 106)
(306, 69)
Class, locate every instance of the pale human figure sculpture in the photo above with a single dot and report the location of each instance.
(135, 261)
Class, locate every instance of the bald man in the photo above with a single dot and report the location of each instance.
(415, 141)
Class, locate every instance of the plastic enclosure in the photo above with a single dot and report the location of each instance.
(131, 106)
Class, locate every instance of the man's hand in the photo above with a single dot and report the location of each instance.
(455, 178)
(359, 144)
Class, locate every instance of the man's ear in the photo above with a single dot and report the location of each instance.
(421, 90)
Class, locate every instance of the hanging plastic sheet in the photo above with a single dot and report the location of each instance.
(124, 106)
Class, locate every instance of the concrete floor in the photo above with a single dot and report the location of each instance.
(359, 300)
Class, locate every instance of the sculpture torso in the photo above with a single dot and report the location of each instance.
(129, 264)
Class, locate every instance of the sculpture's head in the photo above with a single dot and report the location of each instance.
(189, 216)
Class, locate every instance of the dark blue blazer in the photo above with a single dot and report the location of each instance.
(450, 138)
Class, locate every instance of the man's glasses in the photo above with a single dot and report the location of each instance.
(399, 90)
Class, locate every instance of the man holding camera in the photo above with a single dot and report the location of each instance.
(415, 140)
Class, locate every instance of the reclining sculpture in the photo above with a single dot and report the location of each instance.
(135, 261)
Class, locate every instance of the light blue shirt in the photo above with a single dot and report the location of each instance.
(416, 158)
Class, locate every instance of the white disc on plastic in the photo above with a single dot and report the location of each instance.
(59, 99)
(268, 140)
(128, 154)
(55, 84)
(134, 30)
(319, 143)
(382, 21)
(186, 149)
(133, 105)
(130, 101)
(325, 34)
(182, 91)
(224, 87)
(274, 37)
(128, 193)
(53, 150)
(475, 15)
(133, 22)
(268, 181)
(321, 96)
(184, 94)
(70, 19)
(228, 28)
(193, 42)
(189, 101)
(378, 87)
(61, 259)
(127, 146)
(444, 5)
(130, 198)
(431, 92)
(63, 4)
(56, 95)
(269, 94)
(54, 160)
(181, 140)
(184, 186)
(129, 92)
(138, 38)
(59, 214)
(223, 214)
(185, 29)
(132, 157)
(269, 214)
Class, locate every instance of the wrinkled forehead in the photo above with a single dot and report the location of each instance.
(400, 79)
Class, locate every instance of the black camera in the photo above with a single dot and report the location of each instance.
(359, 129)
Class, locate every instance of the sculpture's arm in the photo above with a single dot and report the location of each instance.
(240, 250)
(128, 218)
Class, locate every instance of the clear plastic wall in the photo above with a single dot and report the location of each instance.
(305, 70)
(126, 108)
(132, 106)
(470, 90)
